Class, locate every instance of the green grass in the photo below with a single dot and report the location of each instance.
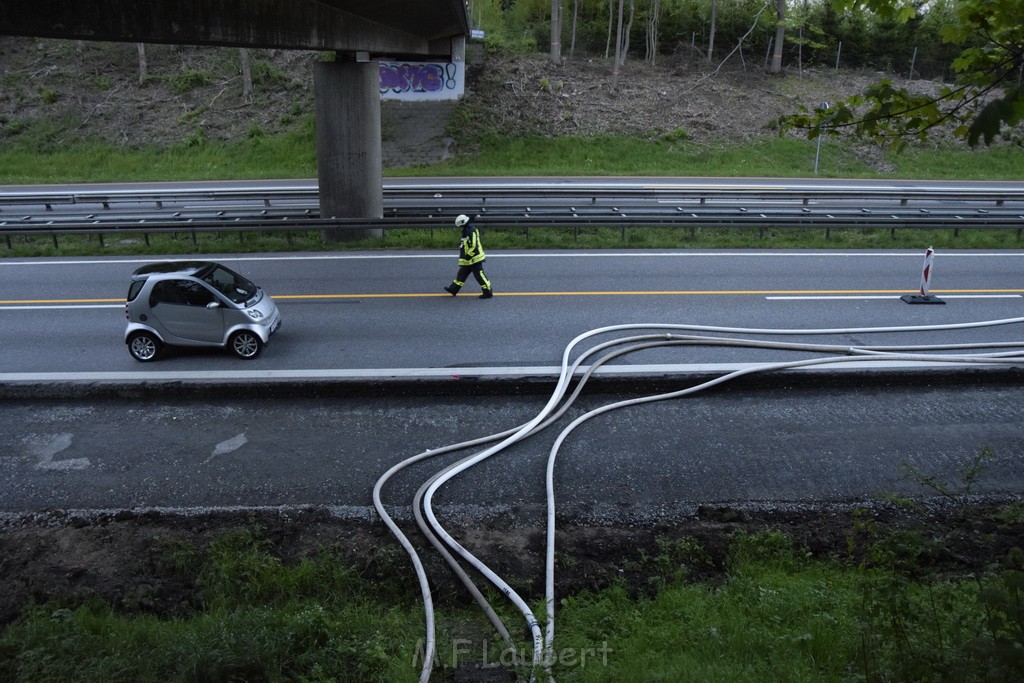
(621, 156)
(767, 157)
(781, 616)
(778, 614)
(293, 155)
(497, 238)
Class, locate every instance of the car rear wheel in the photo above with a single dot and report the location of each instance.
(245, 344)
(144, 346)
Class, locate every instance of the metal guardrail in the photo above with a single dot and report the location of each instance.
(483, 192)
(515, 205)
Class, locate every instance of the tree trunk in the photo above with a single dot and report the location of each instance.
(625, 33)
(652, 31)
(608, 42)
(142, 63)
(780, 35)
(714, 26)
(247, 95)
(555, 56)
(618, 49)
(575, 14)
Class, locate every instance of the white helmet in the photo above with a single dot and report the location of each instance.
(461, 220)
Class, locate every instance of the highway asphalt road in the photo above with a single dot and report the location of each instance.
(248, 441)
(365, 311)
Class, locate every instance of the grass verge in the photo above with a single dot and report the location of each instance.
(774, 613)
(293, 155)
(125, 244)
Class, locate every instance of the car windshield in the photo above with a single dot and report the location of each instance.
(230, 284)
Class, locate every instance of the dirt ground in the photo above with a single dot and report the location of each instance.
(55, 92)
(122, 556)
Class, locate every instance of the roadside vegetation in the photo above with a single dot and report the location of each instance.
(885, 608)
(126, 244)
(293, 155)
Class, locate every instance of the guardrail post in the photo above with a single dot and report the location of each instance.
(821, 133)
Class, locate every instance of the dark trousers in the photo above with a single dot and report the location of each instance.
(477, 269)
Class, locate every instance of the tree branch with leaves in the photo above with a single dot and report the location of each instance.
(986, 102)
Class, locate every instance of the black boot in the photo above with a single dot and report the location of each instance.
(487, 294)
(452, 289)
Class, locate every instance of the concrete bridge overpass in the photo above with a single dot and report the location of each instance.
(358, 32)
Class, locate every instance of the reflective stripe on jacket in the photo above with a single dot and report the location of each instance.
(470, 250)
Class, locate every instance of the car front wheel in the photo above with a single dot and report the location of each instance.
(245, 344)
(144, 347)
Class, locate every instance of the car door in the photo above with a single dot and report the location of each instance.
(181, 306)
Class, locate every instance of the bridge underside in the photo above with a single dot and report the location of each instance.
(396, 29)
(348, 101)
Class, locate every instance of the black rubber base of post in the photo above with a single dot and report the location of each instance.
(918, 299)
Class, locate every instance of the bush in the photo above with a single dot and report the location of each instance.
(188, 79)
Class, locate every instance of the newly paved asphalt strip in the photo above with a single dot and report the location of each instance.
(794, 439)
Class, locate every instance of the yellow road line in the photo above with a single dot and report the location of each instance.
(681, 292)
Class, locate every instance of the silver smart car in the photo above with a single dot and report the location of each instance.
(196, 303)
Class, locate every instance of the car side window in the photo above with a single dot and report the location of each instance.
(134, 289)
(167, 292)
(195, 293)
(180, 293)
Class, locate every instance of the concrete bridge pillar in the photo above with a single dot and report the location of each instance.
(348, 148)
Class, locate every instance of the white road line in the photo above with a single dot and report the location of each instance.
(891, 296)
(502, 255)
(20, 307)
(455, 374)
(854, 297)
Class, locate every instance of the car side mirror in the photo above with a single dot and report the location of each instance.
(213, 304)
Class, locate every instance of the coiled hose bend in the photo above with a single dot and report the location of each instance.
(543, 646)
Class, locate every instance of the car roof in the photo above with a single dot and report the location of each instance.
(173, 267)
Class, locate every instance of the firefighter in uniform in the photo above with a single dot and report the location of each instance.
(471, 259)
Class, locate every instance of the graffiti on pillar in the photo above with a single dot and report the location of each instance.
(416, 81)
